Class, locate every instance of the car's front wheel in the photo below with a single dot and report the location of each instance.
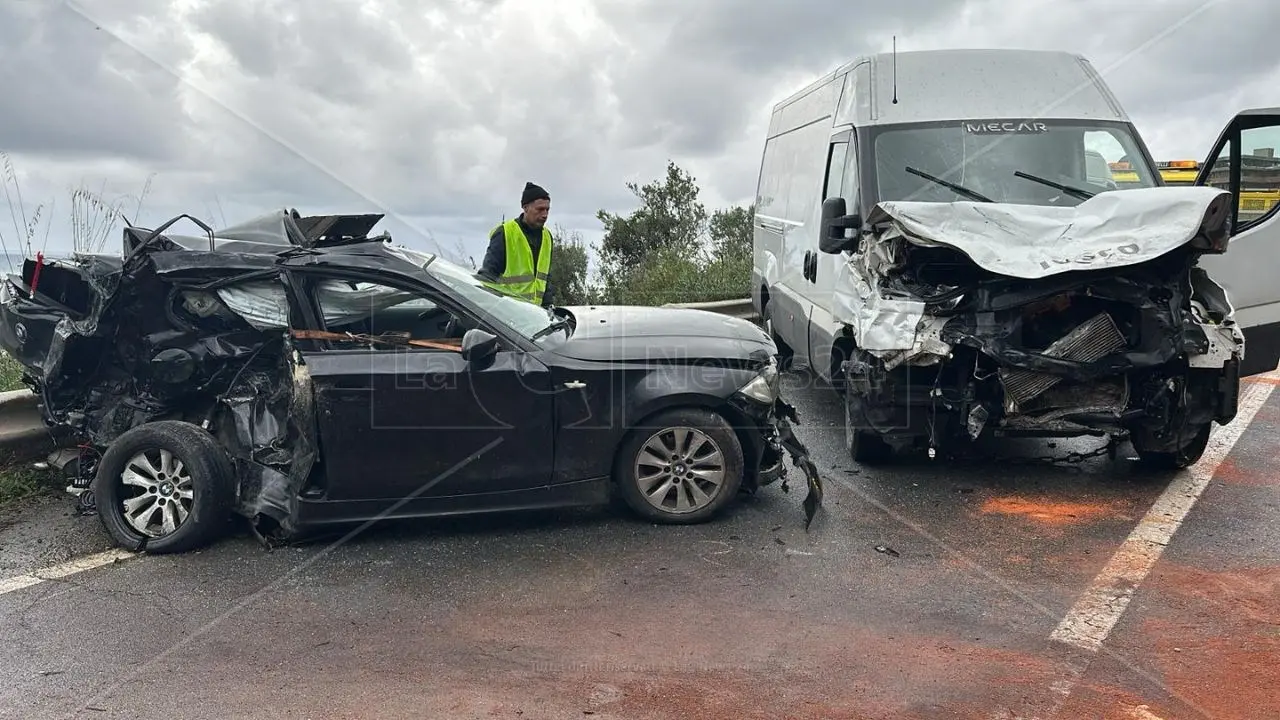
(164, 487)
(683, 466)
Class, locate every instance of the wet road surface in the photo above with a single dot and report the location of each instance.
(924, 590)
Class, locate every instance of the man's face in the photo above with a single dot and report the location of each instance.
(535, 213)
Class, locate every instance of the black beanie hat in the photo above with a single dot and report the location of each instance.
(532, 192)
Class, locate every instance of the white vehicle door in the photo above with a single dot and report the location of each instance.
(1244, 161)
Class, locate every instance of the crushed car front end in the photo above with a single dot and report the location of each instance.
(976, 319)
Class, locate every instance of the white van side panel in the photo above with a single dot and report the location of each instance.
(787, 204)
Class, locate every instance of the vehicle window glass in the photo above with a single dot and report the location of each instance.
(849, 186)
(1259, 172)
(377, 315)
(1219, 173)
(835, 169)
(524, 318)
(1102, 151)
(985, 157)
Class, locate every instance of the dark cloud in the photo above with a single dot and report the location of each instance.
(702, 70)
(71, 89)
(441, 111)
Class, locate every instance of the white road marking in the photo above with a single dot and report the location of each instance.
(1097, 611)
(61, 570)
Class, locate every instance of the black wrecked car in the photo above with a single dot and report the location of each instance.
(299, 372)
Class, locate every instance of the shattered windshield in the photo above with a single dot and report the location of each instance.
(1030, 162)
(523, 317)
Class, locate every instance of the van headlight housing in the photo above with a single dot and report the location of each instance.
(763, 388)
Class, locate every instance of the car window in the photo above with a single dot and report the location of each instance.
(525, 318)
(1259, 173)
(378, 315)
(835, 169)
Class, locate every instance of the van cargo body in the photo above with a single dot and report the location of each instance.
(939, 235)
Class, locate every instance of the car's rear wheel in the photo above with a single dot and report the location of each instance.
(164, 487)
(682, 466)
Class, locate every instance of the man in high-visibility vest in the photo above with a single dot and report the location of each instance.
(518, 260)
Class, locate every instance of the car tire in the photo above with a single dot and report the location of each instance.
(705, 474)
(183, 468)
(1167, 461)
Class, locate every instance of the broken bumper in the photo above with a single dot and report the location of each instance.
(782, 441)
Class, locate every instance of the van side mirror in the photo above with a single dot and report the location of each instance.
(833, 235)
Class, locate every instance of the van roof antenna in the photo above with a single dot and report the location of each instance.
(895, 69)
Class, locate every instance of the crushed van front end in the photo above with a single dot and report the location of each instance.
(979, 319)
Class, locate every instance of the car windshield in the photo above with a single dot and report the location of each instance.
(1021, 161)
(523, 317)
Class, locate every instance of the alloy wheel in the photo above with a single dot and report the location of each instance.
(680, 470)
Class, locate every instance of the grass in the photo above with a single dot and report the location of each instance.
(10, 373)
(18, 480)
(21, 481)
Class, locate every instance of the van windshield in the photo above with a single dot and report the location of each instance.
(1032, 162)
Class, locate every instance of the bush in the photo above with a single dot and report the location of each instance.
(668, 250)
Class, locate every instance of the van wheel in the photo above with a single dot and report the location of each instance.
(164, 487)
(865, 448)
(785, 353)
(1186, 455)
(680, 467)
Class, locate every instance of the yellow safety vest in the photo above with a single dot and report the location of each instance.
(520, 279)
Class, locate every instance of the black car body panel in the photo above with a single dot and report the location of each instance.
(257, 333)
(658, 335)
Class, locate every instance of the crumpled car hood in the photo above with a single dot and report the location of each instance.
(656, 333)
(1112, 229)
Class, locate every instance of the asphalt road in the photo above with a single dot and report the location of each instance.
(926, 590)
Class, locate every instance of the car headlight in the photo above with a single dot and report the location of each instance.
(763, 388)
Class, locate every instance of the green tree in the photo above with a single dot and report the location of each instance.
(569, 268)
(669, 217)
(670, 250)
(728, 272)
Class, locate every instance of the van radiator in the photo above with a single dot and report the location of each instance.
(1091, 341)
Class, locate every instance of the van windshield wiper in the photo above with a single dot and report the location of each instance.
(959, 189)
(1077, 192)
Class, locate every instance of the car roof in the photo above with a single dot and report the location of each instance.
(283, 237)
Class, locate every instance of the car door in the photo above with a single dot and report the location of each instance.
(398, 420)
(1244, 161)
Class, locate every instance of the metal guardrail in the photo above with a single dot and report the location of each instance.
(739, 308)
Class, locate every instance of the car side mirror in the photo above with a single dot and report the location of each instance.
(833, 232)
(478, 344)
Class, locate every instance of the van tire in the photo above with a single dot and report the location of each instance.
(785, 353)
(1188, 454)
(185, 456)
(865, 448)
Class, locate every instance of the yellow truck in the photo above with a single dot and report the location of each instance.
(1254, 202)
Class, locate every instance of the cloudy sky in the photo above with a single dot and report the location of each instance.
(437, 111)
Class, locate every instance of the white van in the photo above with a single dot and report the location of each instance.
(934, 236)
